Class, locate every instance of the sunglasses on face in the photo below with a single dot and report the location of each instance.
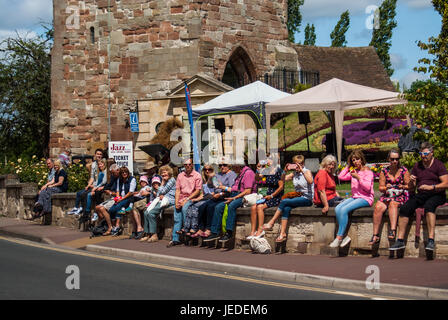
(222, 165)
(188, 165)
(424, 153)
(208, 169)
(394, 159)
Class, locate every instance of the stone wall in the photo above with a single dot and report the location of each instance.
(122, 51)
(309, 232)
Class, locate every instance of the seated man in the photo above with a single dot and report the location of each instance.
(188, 186)
(82, 194)
(244, 185)
(431, 179)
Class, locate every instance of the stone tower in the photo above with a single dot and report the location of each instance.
(108, 54)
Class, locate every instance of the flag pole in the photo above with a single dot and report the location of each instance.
(196, 158)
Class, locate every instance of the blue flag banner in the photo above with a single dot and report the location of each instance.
(196, 158)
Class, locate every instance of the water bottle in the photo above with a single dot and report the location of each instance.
(347, 195)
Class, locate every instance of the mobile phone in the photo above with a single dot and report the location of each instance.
(291, 166)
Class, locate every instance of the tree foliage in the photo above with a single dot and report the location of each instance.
(432, 109)
(25, 95)
(381, 37)
(338, 34)
(294, 17)
(310, 35)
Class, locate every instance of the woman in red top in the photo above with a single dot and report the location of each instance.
(325, 194)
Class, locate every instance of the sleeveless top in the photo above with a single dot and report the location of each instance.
(395, 194)
(301, 185)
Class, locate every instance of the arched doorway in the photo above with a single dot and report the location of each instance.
(239, 69)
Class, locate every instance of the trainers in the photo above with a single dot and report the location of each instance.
(430, 245)
(225, 237)
(399, 244)
(116, 231)
(128, 209)
(78, 211)
(95, 217)
(212, 237)
(336, 242)
(122, 211)
(72, 211)
(346, 241)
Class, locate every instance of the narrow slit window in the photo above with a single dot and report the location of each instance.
(92, 34)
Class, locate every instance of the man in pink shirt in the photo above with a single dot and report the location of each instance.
(188, 186)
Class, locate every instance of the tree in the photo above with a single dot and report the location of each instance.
(294, 18)
(381, 37)
(338, 34)
(310, 35)
(25, 95)
(432, 96)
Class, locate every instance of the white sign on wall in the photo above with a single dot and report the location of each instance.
(122, 152)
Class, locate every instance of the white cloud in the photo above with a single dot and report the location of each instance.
(398, 61)
(334, 8)
(411, 77)
(21, 14)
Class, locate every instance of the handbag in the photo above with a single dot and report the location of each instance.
(292, 194)
(251, 199)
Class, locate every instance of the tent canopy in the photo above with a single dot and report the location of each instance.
(334, 95)
(250, 99)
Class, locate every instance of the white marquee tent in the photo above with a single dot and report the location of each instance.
(334, 95)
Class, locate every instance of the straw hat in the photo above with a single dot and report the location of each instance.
(149, 165)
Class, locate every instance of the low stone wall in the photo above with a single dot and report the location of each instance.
(309, 232)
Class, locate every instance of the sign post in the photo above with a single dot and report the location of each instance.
(122, 152)
(134, 121)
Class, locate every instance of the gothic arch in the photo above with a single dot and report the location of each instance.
(239, 69)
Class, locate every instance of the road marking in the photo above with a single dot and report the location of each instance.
(197, 272)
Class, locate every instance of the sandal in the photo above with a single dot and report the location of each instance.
(107, 233)
(392, 234)
(267, 227)
(280, 239)
(372, 242)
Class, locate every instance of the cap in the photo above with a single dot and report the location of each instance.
(156, 179)
(144, 178)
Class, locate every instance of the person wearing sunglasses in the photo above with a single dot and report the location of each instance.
(430, 177)
(393, 184)
(188, 186)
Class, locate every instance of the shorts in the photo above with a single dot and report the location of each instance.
(140, 205)
(428, 201)
(108, 204)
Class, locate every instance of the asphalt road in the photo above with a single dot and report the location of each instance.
(30, 272)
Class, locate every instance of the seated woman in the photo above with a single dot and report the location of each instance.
(140, 202)
(101, 181)
(394, 181)
(167, 191)
(325, 194)
(58, 184)
(361, 178)
(302, 180)
(273, 179)
(126, 186)
(191, 223)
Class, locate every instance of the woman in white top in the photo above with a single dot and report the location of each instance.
(302, 197)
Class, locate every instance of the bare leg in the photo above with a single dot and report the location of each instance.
(136, 220)
(431, 221)
(380, 208)
(260, 213)
(275, 217)
(393, 214)
(284, 225)
(402, 224)
(253, 219)
(102, 212)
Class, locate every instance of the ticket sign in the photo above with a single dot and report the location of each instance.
(122, 152)
(134, 121)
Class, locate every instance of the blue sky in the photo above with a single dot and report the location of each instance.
(416, 19)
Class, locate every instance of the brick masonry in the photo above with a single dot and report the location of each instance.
(123, 51)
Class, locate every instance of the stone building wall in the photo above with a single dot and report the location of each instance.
(125, 50)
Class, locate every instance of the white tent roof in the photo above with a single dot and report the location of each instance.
(249, 94)
(334, 95)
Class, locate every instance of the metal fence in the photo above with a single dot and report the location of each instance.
(286, 80)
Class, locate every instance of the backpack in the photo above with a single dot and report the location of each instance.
(99, 229)
(260, 245)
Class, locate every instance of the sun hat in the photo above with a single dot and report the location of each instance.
(156, 179)
(145, 179)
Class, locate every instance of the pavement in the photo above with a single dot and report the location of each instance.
(411, 277)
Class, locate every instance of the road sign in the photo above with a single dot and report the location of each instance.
(134, 121)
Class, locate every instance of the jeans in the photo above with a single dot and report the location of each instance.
(80, 195)
(206, 213)
(117, 207)
(286, 205)
(231, 214)
(179, 217)
(150, 220)
(343, 210)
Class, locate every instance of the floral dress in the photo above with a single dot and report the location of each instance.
(395, 194)
(270, 184)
